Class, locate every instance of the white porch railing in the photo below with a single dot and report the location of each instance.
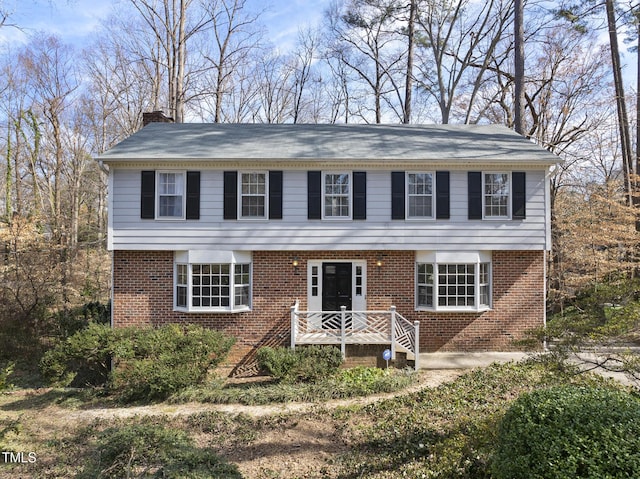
(356, 327)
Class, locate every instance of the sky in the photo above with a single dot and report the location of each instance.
(75, 20)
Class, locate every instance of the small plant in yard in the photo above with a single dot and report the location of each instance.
(147, 450)
(5, 372)
(305, 364)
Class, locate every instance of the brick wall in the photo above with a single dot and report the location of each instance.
(143, 295)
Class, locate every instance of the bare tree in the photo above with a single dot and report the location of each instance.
(459, 42)
(364, 37)
(235, 35)
(173, 23)
(303, 58)
(518, 50)
(52, 80)
(623, 120)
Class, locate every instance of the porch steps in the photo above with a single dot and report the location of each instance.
(356, 327)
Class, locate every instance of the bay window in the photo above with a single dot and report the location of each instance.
(222, 283)
(453, 281)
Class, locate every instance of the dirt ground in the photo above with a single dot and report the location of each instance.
(302, 446)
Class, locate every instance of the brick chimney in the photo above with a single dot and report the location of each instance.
(157, 116)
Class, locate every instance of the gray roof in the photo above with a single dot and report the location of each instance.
(284, 142)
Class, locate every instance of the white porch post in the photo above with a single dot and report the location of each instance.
(343, 335)
(392, 310)
(416, 325)
(294, 325)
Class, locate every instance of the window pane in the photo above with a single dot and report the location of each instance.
(496, 194)
(420, 195)
(170, 194)
(337, 195)
(425, 285)
(253, 195)
(456, 285)
(210, 276)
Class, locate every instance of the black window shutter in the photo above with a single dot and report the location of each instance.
(519, 198)
(442, 195)
(148, 195)
(475, 195)
(230, 195)
(359, 195)
(314, 195)
(193, 195)
(397, 195)
(275, 195)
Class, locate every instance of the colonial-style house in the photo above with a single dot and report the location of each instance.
(429, 237)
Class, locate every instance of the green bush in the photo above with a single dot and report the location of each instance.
(150, 450)
(5, 372)
(69, 321)
(148, 363)
(155, 363)
(83, 359)
(305, 364)
(570, 432)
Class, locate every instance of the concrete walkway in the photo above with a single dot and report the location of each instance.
(466, 360)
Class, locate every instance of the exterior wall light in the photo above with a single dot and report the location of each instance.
(379, 262)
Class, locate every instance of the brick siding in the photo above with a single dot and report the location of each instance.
(143, 296)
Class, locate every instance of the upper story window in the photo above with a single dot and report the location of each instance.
(171, 186)
(496, 195)
(253, 195)
(337, 195)
(420, 195)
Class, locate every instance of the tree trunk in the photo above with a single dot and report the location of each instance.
(519, 67)
(623, 122)
(409, 74)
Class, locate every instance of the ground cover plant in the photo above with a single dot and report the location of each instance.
(341, 384)
(448, 432)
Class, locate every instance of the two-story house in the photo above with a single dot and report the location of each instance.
(290, 234)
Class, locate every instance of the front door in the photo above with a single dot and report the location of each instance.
(333, 284)
(337, 287)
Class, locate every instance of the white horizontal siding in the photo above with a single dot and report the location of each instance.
(295, 232)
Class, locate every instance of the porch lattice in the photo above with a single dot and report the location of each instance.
(356, 327)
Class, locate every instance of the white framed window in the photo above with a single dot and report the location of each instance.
(170, 197)
(242, 285)
(496, 195)
(336, 189)
(253, 187)
(444, 284)
(420, 187)
(222, 285)
(182, 285)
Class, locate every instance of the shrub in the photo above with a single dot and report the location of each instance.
(69, 321)
(570, 432)
(5, 372)
(155, 363)
(82, 359)
(306, 364)
(148, 363)
(151, 450)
